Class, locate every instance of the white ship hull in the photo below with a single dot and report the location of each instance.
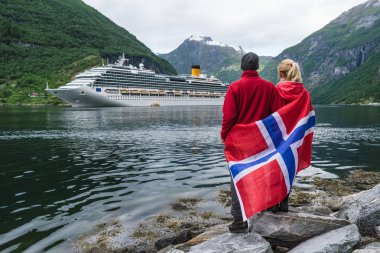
(86, 96)
(121, 85)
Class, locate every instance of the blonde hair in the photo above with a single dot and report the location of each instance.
(289, 70)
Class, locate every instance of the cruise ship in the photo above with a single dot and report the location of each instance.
(122, 84)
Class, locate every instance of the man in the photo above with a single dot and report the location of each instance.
(247, 100)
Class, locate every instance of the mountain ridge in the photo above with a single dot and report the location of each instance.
(215, 58)
(51, 41)
(333, 57)
(203, 50)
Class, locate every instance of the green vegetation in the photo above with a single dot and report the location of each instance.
(340, 45)
(230, 74)
(233, 72)
(52, 40)
(360, 86)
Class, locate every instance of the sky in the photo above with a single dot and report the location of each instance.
(264, 27)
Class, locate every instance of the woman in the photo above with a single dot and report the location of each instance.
(288, 89)
(290, 85)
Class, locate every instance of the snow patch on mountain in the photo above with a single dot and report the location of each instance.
(209, 41)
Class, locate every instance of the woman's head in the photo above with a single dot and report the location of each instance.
(288, 70)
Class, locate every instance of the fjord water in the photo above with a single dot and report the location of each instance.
(64, 170)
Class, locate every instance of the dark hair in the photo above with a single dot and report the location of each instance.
(250, 61)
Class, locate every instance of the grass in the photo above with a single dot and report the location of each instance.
(183, 204)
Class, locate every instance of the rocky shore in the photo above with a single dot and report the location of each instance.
(326, 215)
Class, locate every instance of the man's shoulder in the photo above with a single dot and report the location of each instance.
(249, 80)
(265, 81)
(234, 84)
(259, 80)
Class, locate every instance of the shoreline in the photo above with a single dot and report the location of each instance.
(190, 217)
(33, 105)
(68, 105)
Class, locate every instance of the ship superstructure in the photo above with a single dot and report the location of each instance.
(122, 84)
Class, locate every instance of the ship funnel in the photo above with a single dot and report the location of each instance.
(195, 70)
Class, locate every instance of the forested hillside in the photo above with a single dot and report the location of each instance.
(340, 62)
(52, 40)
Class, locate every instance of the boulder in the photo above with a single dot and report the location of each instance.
(367, 240)
(181, 237)
(290, 229)
(245, 242)
(170, 249)
(366, 251)
(332, 202)
(219, 239)
(340, 240)
(374, 245)
(370, 248)
(363, 209)
(317, 210)
(209, 234)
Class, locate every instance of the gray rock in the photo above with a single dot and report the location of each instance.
(374, 245)
(208, 235)
(367, 240)
(363, 209)
(340, 240)
(218, 239)
(332, 202)
(370, 248)
(317, 210)
(246, 242)
(170, 249)
(181, 237)
(290, 229)
(377, 229)
(366, 251)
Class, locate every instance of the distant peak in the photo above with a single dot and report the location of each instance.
(200, 38)
(374, 3)
(209, 41)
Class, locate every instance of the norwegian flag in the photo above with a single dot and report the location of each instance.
(264, 157)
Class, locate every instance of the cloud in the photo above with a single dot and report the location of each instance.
(266, 27)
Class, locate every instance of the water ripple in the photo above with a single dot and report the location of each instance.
(84, 166)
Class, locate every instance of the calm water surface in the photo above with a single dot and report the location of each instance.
(64, 170)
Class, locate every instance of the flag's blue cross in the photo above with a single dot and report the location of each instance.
(282, 146)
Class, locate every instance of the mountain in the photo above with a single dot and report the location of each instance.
(340, 62)
(52, 40)
(215, 58)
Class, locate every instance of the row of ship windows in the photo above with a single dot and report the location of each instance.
(163, 98)
(117, 70)
(175, 87)
(131, 74)
(153, 81)
(134, 76)
(155, 78)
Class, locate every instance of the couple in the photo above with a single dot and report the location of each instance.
(251, 99)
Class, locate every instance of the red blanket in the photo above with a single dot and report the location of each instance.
(264, 157)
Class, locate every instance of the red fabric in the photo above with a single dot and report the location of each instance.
(287, 92)
(247, 100)
(236, 148)
(296, 93)
(262, 183)
(304, 153)
(255, 189)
